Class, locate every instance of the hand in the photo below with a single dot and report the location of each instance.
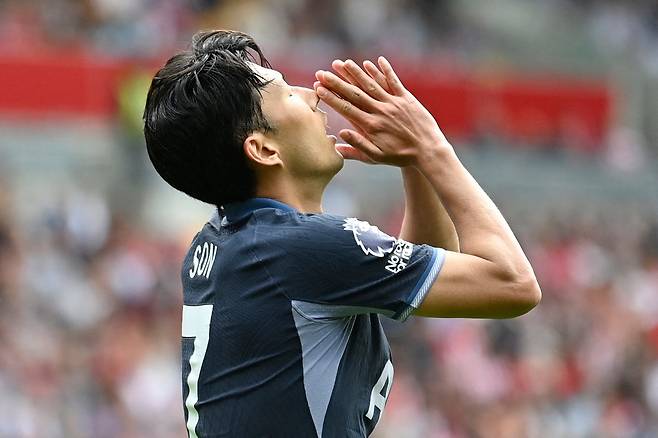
(390, 125)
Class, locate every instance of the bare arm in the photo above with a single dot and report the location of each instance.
(425, 218)
(492, 277)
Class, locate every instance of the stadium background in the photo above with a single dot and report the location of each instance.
(553, 105)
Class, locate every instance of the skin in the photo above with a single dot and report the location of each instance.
(295, 157)
(485, 273)
(425, 218)
(491, 276)
(294, 162)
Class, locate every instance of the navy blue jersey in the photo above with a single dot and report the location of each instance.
(281, 330)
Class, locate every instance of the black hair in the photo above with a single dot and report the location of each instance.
(200, 108)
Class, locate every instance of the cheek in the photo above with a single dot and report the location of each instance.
(300, 123)
(289, 110)
(303, 116)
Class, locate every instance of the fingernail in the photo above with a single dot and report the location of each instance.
(316, 84)
(318, 74)
(321, 91)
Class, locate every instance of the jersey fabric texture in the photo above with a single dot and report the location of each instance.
(281, 329)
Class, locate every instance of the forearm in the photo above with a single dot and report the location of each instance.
(481, 228)
(490, 276)
(425, 218)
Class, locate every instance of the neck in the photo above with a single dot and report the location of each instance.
(304, 196)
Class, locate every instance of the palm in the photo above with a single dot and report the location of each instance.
(389, 125)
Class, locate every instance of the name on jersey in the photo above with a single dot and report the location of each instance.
(399, 259)
(203, 260)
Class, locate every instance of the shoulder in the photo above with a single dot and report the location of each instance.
(325, 231)
(331, 223)
(289, 227)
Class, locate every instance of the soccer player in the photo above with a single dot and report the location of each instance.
(282, 302)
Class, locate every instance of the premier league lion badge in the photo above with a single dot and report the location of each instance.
(370, 239)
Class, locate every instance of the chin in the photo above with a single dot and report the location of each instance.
(331, 168)
(339, 163)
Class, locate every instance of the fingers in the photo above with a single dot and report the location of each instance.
(351, 153)
(339, 67)
(394, 83)
(347, 91)
(342, 106)
(363, 81)
(361, 144)
(377, 75)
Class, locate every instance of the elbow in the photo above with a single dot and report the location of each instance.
(533, 292)
(521, 293)
(527, 294)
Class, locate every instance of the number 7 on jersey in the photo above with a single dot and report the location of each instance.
(196, 324)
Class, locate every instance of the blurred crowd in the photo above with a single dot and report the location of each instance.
(90, 326)
(412, 27)
(584, 363)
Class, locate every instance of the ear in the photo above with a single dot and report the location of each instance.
(261, 151)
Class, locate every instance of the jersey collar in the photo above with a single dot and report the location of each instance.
(239, 210)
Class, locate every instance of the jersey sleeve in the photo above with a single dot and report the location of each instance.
(347, 266)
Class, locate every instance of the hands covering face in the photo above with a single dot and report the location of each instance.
(390, 125)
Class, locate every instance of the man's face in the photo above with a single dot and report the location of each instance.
(299, 127)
